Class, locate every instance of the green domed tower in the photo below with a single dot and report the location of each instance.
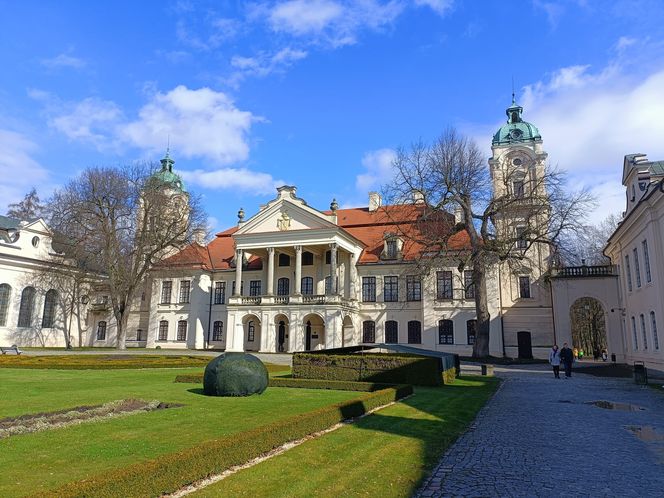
(166, 176)
(516, 130)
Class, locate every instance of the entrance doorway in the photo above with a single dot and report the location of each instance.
(587, 320)
(314, 332)
(524, 340)
(281, 324)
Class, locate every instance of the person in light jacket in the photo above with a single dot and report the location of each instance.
(554, 360)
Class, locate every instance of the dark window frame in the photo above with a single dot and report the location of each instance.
(307, 258)
(218, 330)
(390, 289)
(219, 292)
(368, 289)
(166, 298)
(307, 286)
(101, 330)
(184, 295)
(524, 287)
(445, 331)
(27, 307)
(414, 332)
(391, 332)
(181, 334)
(163, 331)
(468, 284)
(283, 286)
(413, 288)
(284, 260)
(255, 287)
(50, 303)
(471, 331)
(368, 331)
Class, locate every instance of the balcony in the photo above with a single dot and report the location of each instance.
(306, 299)
(585, 271)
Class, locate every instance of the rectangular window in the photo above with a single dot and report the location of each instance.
(283, 287)
(166, 288)
(444, 288)
(635, 338)
(219, 292)
(628, 269)
(182, 330)
(391, 249)
(391, 332)
(413, 288)
(646, 261)
(519, 190)
(163, 331)
(521, 242)
(185, 290)
(141, 335)
(468, 284)
(368, 331)
(445, 332)
(101, 331)
(254, 287)
(218, 331)
(328, 285)
(307, 286)
(251, 331)
(390, 289)
(369, 289)
(471, 331)
(524, 287)
(643, 331)
(637, 269)
(653, 324)
(414, 332)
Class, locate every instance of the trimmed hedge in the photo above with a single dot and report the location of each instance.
(174, 471)
(101, 361)
(372, 367)
(338, 385)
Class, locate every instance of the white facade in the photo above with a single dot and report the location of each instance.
(637, 248)
(37, 305)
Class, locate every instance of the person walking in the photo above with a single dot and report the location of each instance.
(566, 358)
(554, 360)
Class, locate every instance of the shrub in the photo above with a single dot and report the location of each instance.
(235, 374)
(373, 367)
(172, 472)
(101, 361)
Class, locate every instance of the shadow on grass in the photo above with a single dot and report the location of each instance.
(197, 390)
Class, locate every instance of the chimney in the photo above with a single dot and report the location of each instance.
(374, 201)
(458, 214)
(418, 196)
(198, 236)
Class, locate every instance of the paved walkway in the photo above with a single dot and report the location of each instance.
(538, 437)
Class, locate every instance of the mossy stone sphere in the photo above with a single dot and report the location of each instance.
(235, 374)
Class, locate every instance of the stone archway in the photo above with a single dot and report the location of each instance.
(347, 331)
(588, 326)
(252, 332)
(282, 327)
(314, 332)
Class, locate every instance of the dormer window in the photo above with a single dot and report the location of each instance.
(392, 247)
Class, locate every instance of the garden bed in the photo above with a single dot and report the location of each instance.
(37, 422)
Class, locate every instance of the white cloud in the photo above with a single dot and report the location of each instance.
(263, 64)
(18, 169)
(63, 60)
(90, 120)
(200, 123)
(233, 178)
(441, 7)
(332, 23)
(378, 166)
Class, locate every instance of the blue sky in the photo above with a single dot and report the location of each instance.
(319, 93)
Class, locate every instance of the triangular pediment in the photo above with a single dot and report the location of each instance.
(284, 214)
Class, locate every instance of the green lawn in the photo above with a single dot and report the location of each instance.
(385, 454)
(47, 459)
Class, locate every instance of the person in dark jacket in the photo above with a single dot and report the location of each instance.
(566, 358)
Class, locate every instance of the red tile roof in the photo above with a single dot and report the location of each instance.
(369, 227)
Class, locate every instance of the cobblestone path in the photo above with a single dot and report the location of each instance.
(539, 437)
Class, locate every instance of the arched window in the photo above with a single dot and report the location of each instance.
(101, 331)
(163, 331)
(5, 296)
(414, 332)
(251, 331)
(307, 285)
(445, 332)
(391, 332)
(307, 258)
(471, 328)
(368, 331)
(182, 330)
(27, 307)
(283, 287)
(218, 331)
(284, 260)
(48, 318)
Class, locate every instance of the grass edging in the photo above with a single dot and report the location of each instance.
(337, 385)
(174, 471)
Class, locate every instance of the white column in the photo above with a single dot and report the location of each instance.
(353, 276)
(298, 270)
(333, 269)
(235, 334)
(270, 271)
(238, 272)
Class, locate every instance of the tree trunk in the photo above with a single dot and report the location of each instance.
(481, 346)
(121, 319)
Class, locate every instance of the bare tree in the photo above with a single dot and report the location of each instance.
(587, 246)
(28, 208)
(500, 224)
(119, 222)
